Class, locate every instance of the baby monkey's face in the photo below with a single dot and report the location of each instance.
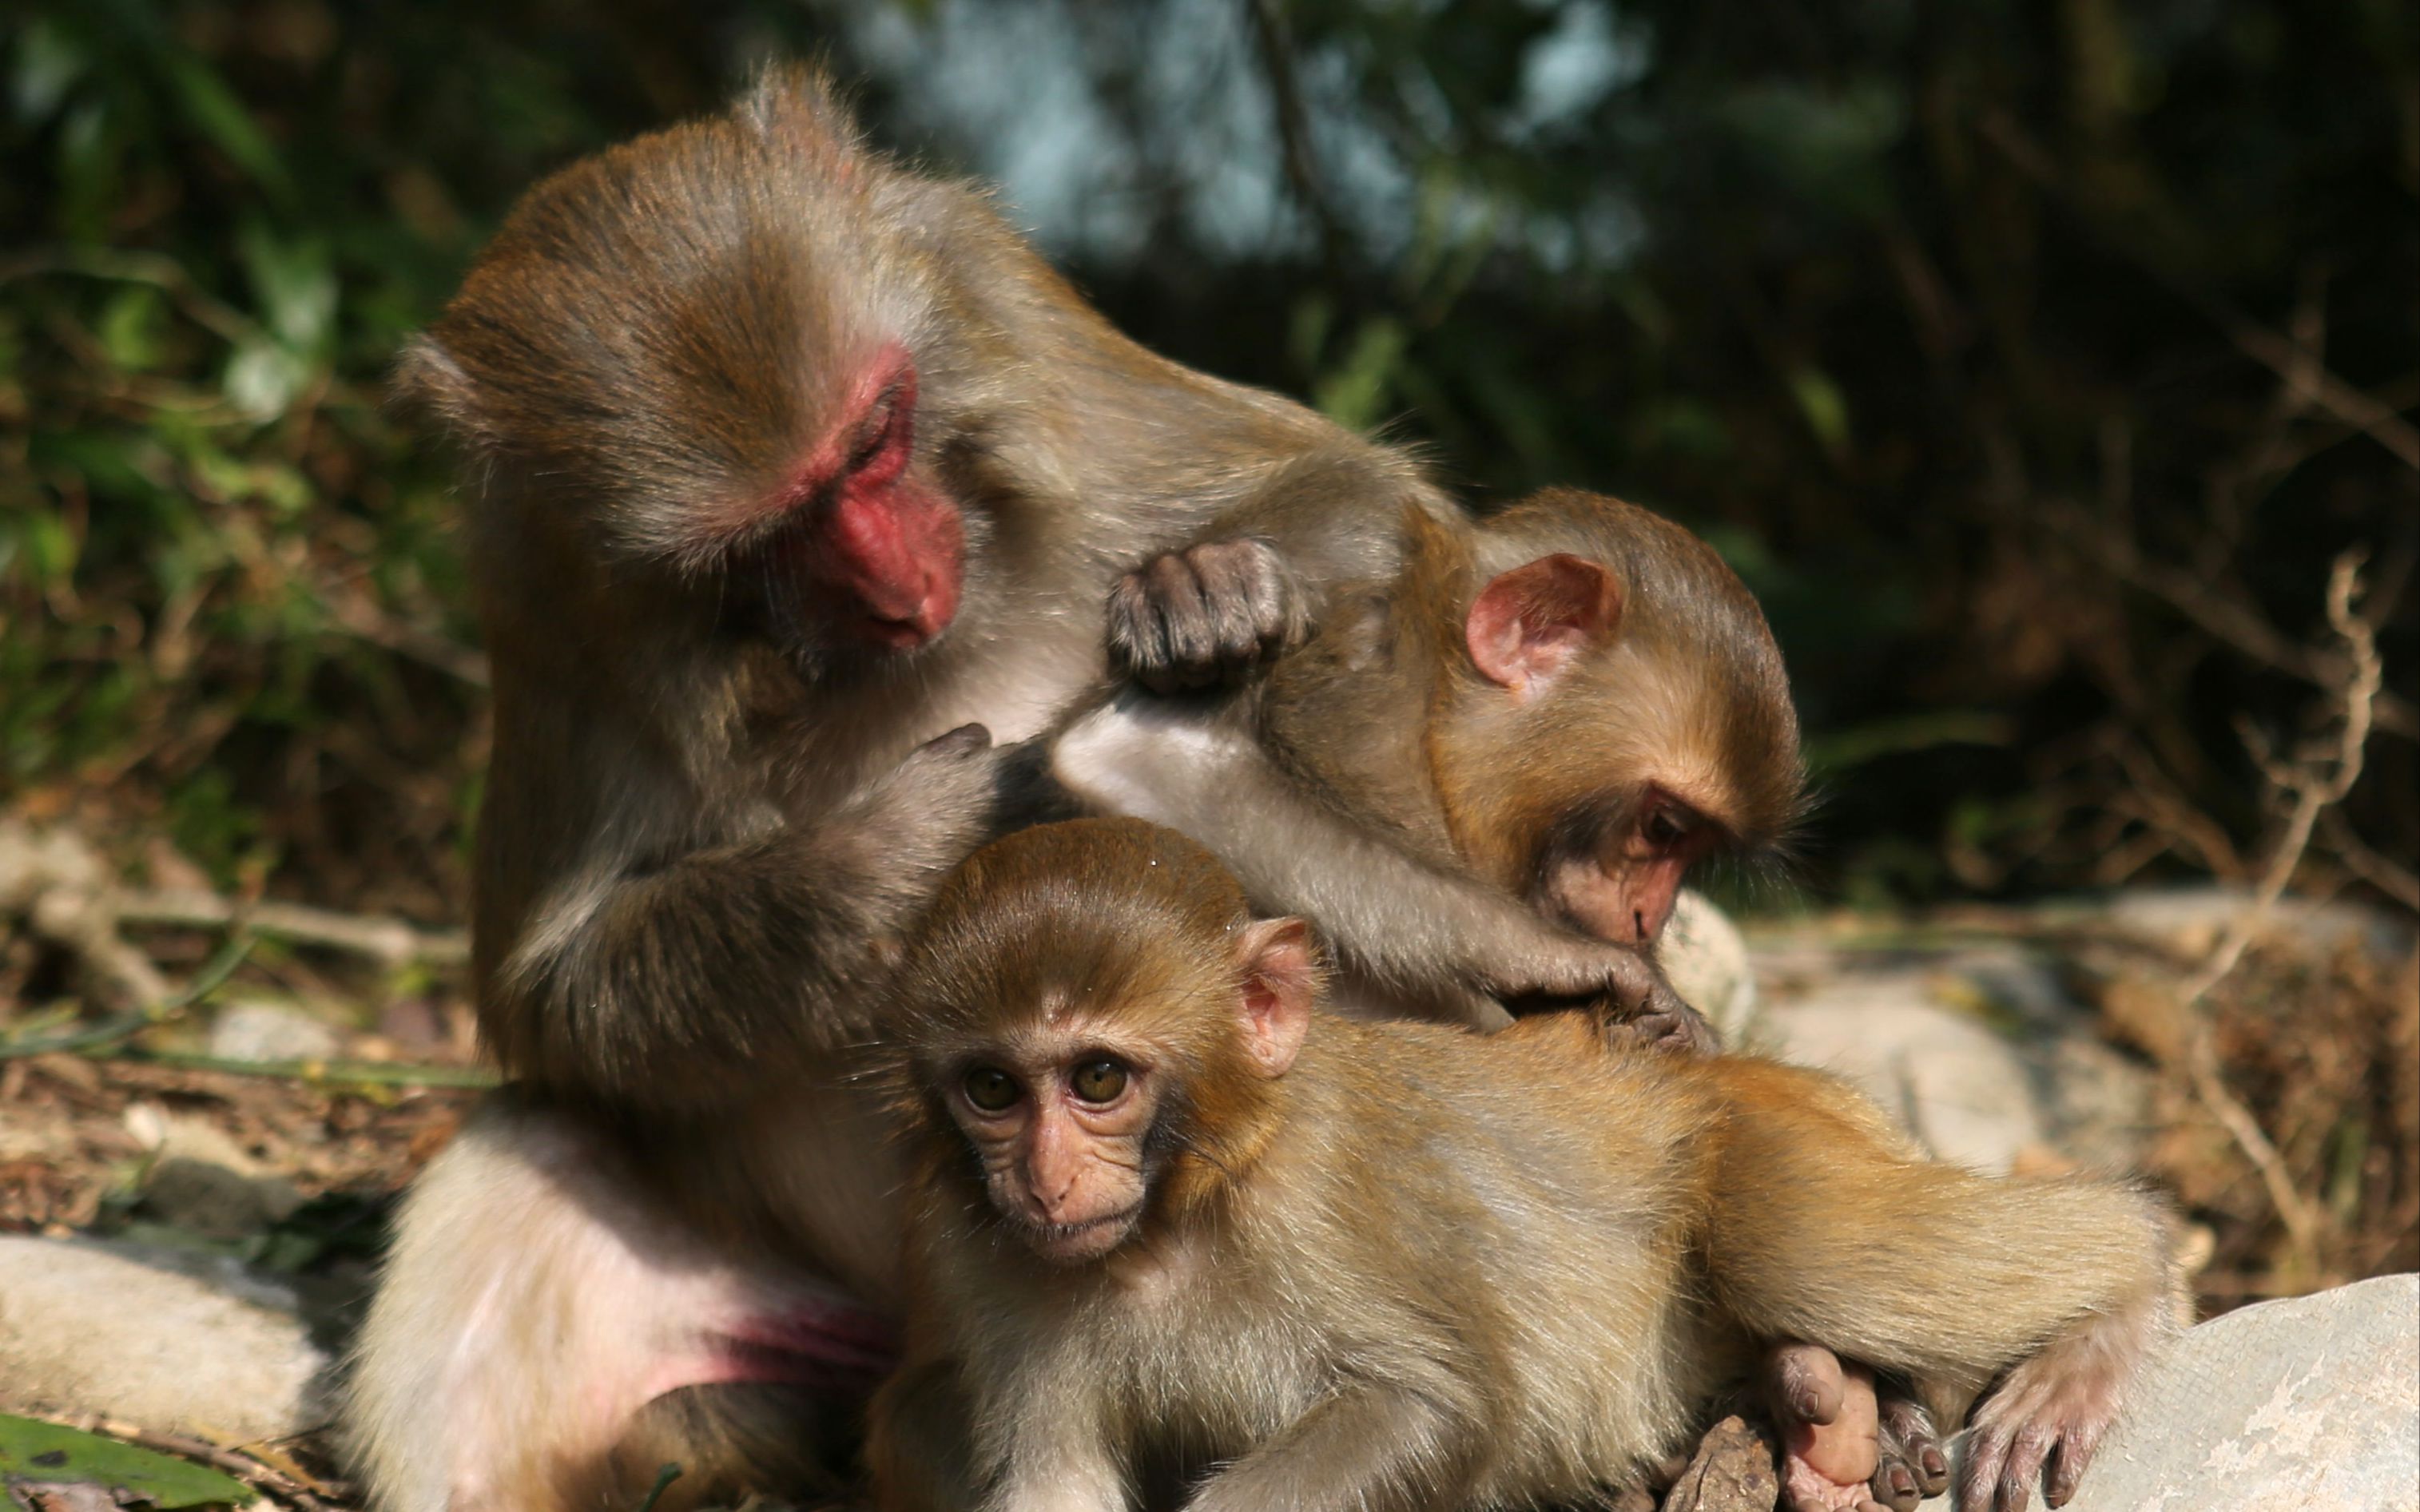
(1060, 1115)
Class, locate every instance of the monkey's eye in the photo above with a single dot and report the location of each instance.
(1099, 1081)
(875, 433)
(1670, 823)
(992, 1089)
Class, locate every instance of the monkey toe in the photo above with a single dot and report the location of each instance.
(1675, 1028)
(1830, 1430)
(1804, 1383)
(1912, 1465)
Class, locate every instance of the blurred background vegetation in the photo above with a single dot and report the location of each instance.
(2034, 362)
(2041, 363)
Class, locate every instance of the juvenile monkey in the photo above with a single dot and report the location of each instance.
(1165, 1225)
(1531, 730)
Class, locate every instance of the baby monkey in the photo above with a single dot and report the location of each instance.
(1169, 1227)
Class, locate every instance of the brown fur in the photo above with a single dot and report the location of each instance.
(707, 821)
(1380, 784)
(1436, 1270)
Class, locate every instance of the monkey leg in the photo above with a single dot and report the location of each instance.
(1841, 1428)
(534, 1303)
(2064, 1284)
(717, 1446)
(916, 1450)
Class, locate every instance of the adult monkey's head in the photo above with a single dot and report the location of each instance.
(728, 358)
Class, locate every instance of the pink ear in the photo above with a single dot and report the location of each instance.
(1528, 624)
(1281, 980)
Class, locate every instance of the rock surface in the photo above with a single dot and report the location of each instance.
(1978, 1049)
(259, 1030)
(194, 1346)
(1962, 1090)
(2308, 1405)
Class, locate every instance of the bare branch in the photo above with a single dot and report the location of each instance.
(2315, 785)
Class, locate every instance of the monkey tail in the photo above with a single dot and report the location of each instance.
(1830, 1229)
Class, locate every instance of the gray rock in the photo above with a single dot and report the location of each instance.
(1707, 962)
(88, 1327)
(1963, 1091)
(201, 1179)
(2309, 1405)
(2189, 920)
(264, 1031)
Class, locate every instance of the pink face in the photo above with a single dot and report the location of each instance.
(1060, 1129)
(879, 550)
(1061, 1108)
(1623, 891)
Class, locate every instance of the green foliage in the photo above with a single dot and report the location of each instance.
(46, 1454)
(1929, 317)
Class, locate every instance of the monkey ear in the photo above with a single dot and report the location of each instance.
(428, 382)
(1526, 624)
(1281, 980)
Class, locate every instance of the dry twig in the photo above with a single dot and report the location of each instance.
(2315, 784)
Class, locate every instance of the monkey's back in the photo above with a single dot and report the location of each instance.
(1545, 1191)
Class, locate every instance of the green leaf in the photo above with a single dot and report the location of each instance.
(44, 1452)
(218, 113)
(294, 282)
(1825, 406)
(263, 377)
(1355, 394)
(48, 66)
(133, 326)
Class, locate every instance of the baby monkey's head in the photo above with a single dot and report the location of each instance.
(1089, 1024)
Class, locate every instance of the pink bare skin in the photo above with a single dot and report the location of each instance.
(1830, 1430)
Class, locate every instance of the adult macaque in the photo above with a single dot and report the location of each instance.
(782, 464)
(1164, 1229)
(1526, 735)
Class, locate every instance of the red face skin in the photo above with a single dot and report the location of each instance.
(885, 548)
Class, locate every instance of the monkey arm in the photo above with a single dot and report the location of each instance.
(668, 986)
(916, 1448)
(1058, 1462)
(1415, 932)
(1368, 1445)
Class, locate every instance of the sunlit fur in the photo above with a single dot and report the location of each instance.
(1427, 1269)
(1379, 783)
(703, 823)
(1686, 691)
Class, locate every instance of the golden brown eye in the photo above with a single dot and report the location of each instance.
(991, 1089)
(1099, 1080)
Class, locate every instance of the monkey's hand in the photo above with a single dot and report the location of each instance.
(937, 805)
(1622, 988)
(1205, 614)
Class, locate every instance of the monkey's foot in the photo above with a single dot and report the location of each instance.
(2043, 1421)
(1830, 1426)
(1913, 1466)
(1198, 617)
